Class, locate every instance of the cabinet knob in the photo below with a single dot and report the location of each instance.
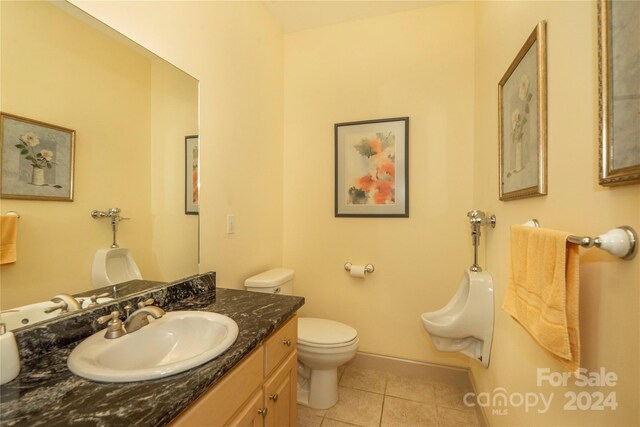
(263, 411)
(274, 397)
(287, 342)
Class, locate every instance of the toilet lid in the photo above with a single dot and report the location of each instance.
(324, 332)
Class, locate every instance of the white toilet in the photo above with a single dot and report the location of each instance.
(323, 345)
(112, 266)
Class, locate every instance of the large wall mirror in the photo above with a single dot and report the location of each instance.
(131, 112)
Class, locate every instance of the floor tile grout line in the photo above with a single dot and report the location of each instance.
(384, 399)
(386, 380)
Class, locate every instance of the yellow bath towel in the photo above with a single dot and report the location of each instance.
(543, 289)
(8, 236)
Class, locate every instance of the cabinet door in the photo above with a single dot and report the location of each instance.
(280, 394)
(252, 414)
(219, 404)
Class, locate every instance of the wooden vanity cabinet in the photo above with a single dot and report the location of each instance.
(280, 392)
(260, 391)
(251, 414)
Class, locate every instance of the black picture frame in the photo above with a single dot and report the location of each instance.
(372, 168)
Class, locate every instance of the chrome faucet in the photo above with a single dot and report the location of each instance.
(65, 303)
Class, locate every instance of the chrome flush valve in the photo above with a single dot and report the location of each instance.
(114, 214)
(480, 218)
(477, 219)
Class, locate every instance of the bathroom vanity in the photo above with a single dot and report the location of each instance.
(261, 387)
(254, 378)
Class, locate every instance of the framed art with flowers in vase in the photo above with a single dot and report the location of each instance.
(522, 121)
(37, 159)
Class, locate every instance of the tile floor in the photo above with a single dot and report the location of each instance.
(382, 399)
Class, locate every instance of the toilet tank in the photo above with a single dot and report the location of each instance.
(275, 281)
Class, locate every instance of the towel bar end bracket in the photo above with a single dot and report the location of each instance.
(621, 241)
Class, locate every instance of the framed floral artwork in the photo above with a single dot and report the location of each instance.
(37, 159)
(522, 121)
(192, 177)
(619, 91)
(372, 168)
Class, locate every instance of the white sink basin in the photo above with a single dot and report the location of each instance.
(178, 341)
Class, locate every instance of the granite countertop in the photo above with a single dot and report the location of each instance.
(47, 393)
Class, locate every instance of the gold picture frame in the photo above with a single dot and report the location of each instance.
(618, 93)
(522, 121)
(192, 175)
(37, 159)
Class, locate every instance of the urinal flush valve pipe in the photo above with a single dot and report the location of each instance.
(477, 219)
(114, 215)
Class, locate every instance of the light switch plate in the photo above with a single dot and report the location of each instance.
(231, 224)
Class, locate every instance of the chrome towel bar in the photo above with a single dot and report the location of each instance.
(621, 241)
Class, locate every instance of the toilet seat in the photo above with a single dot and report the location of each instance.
(324, 333)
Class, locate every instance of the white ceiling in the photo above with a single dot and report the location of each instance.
(297, 15)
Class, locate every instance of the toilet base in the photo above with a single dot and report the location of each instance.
(319, 390)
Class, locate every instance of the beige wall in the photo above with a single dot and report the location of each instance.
(609, 292)
(417, 64)
(235, 50)
(48, 75)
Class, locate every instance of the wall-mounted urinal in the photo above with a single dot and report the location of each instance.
(112, 266)
(115, 264)
(465, 324)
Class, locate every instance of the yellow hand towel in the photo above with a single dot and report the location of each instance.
(8, 236)
(543, 289)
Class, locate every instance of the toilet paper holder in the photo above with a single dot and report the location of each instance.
(369, 268)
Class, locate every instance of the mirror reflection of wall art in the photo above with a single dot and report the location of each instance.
(192, 177)
(371, 168)
(522, 113)
(619, 90)
(37, 159)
